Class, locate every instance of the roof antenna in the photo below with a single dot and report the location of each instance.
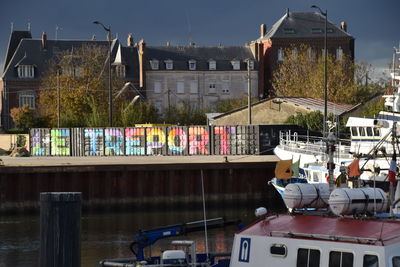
(12, 26)
(29, 25)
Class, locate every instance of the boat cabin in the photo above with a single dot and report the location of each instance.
(312, 241)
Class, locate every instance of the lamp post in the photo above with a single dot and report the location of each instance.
(325, 14)
(248, 92)
(110, 119)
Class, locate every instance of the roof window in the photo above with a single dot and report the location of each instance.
(169, 64)
(316, 30)
(289, 31)
(192, 64)
(154, 64)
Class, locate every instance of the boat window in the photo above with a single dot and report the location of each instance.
(362, 131)
(340, 259)
(396, 261)
(354, 131)
(315, 177)
(377, 132)
(370, 261)
(278, 250)
(369, 131)
(308, 257)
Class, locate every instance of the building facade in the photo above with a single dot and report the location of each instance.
(291, 31)
(198, 76)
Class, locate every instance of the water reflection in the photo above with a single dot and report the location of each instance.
(108, 235)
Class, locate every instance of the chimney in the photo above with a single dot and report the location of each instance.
(192, 44)
(129, 41)
(168, 44)
(343, 26)
(263, 30)
(94, 37)
(287, 12)
(141, 50)
(44, 40)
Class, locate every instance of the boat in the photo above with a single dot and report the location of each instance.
(372, 140)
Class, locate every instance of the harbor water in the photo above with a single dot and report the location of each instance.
(108, 235)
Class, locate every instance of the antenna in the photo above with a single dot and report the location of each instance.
(12, 26)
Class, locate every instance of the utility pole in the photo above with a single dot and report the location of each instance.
(248, 91)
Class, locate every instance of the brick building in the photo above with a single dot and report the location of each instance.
(27, 60)
(295, 29)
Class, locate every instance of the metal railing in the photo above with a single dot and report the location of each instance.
(311, 145)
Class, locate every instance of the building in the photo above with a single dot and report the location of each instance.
(277, 110)
(27, 60)
(199, 76)
(292, 30)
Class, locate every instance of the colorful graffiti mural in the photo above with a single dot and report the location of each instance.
(140, 141)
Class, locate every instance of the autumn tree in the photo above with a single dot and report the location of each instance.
(301, 74)
(81, 75)
(24, 117)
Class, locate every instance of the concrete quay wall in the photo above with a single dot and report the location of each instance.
(139, 186)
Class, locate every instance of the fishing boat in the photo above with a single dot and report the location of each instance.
(372, 140)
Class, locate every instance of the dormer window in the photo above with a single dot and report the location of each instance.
(212, 65)
(120, 71)
(289, 31)
(154, 64)
(169, 64)
(192, 64)
(235, 64)
(26, 71)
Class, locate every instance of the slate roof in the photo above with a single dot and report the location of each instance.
(302, 24)
(180, 55)
(29, 51)
(15, 37)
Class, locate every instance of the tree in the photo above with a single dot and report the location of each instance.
(82, 78)
(24, 117)
(139, 112)
(230, 104)
(185, 114)
(301, 74)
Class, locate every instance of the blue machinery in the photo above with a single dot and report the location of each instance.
(148, 237)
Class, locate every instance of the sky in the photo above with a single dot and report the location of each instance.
(374, 24)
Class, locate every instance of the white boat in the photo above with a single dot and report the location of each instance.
(372, 139)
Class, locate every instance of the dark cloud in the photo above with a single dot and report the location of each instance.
(374, 24)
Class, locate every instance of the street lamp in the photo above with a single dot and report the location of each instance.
(325, 14)
(110, 120)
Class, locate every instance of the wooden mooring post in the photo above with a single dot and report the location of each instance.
(60, 229)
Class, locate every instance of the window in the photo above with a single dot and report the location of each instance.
(193, 87)
(212, 65)
(308, 257)
(235, 64)
(27, 98)
(289, 31)
(157, 87)
(339, 53)
(354, 131)
(369, 131)
(281, 54)
(154, 64)
(370, 261)
(225, 86)
(330, 30)
(340, 259)
(73, 71)
(315, 177)
(192, 64)
(377, 132)
(294, 53)
(169, 64)
(180, 87)
(158, 105)
(362, 131)
(278, 250)
(311, 53)
(212, 87)
(396, 261)
(120, 71)
(26, 71)
(316, 30)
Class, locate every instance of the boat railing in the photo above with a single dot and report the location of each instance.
(128, 262)
(306, 144)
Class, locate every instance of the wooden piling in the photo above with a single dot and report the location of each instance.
(60, 229)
